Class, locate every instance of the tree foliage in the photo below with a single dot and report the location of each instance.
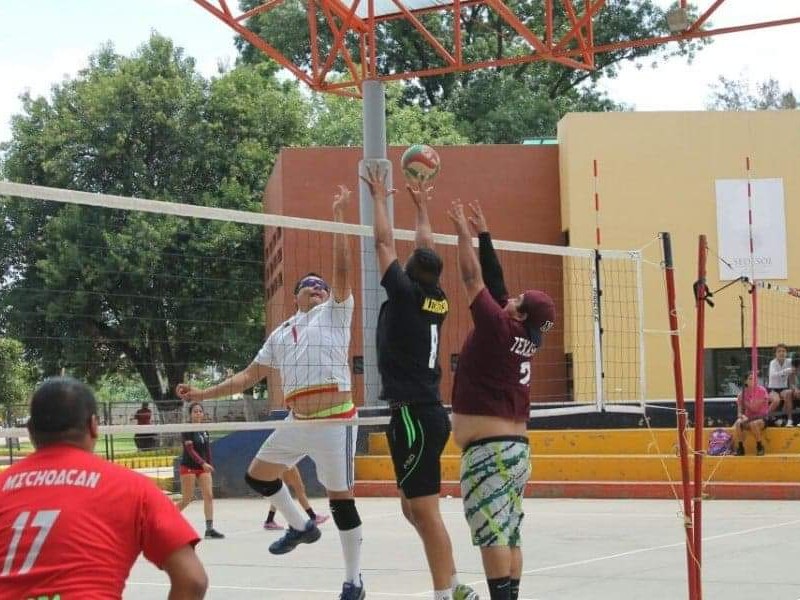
(99, 290)
(16, 376)
(738, 95)
(337, 121)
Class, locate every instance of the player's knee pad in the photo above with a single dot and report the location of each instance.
(345, 514)
(265, 488)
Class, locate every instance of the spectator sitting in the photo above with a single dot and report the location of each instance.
(752, 407)
(792, 393)
(779, 370)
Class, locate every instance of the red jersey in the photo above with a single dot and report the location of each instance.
(493, 376)
(73, 524)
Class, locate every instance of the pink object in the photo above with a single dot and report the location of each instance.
(756, 402)
(320, 519)
(273, 525)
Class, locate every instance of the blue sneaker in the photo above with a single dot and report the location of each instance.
(293, 537)
(351, 591)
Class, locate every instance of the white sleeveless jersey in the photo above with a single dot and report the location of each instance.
(311, 349)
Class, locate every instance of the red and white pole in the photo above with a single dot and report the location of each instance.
(596, 195)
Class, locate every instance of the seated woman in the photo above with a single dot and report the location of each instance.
(752, 408)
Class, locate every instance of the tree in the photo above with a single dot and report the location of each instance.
(534, 95)
(738, 95)
(16, 376)
(337, 121)
(95, 291)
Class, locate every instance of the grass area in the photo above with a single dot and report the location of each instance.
(122, 446)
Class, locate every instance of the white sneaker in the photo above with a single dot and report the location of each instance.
(789, 423)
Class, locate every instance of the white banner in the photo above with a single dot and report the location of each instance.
(769, 229)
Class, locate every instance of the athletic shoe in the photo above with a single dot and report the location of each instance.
(273, 525)
(464, 592)
(293, 537)
(740, 449)
(213, 534)
(789, 423)
(350, 591)
(760, 449)
(320, 519)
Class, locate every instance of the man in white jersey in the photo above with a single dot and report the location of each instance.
(310, 350)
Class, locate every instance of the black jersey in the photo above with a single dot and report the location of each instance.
(198, 451)
(408, 334)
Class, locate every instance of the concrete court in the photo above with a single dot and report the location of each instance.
(574, 550)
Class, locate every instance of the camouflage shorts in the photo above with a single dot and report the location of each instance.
(493, 476)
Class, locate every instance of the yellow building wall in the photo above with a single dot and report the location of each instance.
(657, 172)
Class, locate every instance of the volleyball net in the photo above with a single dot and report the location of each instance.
(136, 296)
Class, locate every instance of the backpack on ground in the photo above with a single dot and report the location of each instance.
(720, 443)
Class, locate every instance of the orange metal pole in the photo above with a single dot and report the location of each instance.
(312, 34)
(257, 41)
(338, 42)
(705, 16)
(573, 17)
(567, 38)
(266, 7)
(687, 36)
(425, 33)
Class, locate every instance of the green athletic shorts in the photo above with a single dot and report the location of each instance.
(493, 476)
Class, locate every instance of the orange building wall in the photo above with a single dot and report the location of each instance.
(518, 187)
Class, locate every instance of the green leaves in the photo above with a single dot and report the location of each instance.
(97, 291)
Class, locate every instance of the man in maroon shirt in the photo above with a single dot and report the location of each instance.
(491, 403)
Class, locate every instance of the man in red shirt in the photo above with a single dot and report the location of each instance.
(491, 403)
(73, 524)
(144, 416)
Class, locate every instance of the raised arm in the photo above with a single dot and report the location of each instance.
(468, 265)
(234, 384)
(342, 259)
(491, 269)
(382, 230)
(421, 195)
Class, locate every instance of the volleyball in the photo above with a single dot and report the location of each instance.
(420, 162)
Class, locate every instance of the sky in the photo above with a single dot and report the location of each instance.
(44, 41)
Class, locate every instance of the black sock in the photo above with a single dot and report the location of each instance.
(514, 589)
(500, 588)
(209, 524)
(311, 514)
(270, 516)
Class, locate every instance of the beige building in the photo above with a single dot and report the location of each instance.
(657, 172)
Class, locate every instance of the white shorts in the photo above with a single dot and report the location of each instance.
(332, 448)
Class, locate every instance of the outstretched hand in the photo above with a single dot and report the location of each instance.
(457, 216)
(341, 199)
(376, 181)
(420, 192)
(186, 392)
(477, 219)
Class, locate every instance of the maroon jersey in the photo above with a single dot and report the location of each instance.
(493, 376)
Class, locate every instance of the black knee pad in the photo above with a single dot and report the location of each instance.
(265, 488)
(345, 514)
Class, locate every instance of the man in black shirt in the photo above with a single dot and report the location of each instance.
(408, 334)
